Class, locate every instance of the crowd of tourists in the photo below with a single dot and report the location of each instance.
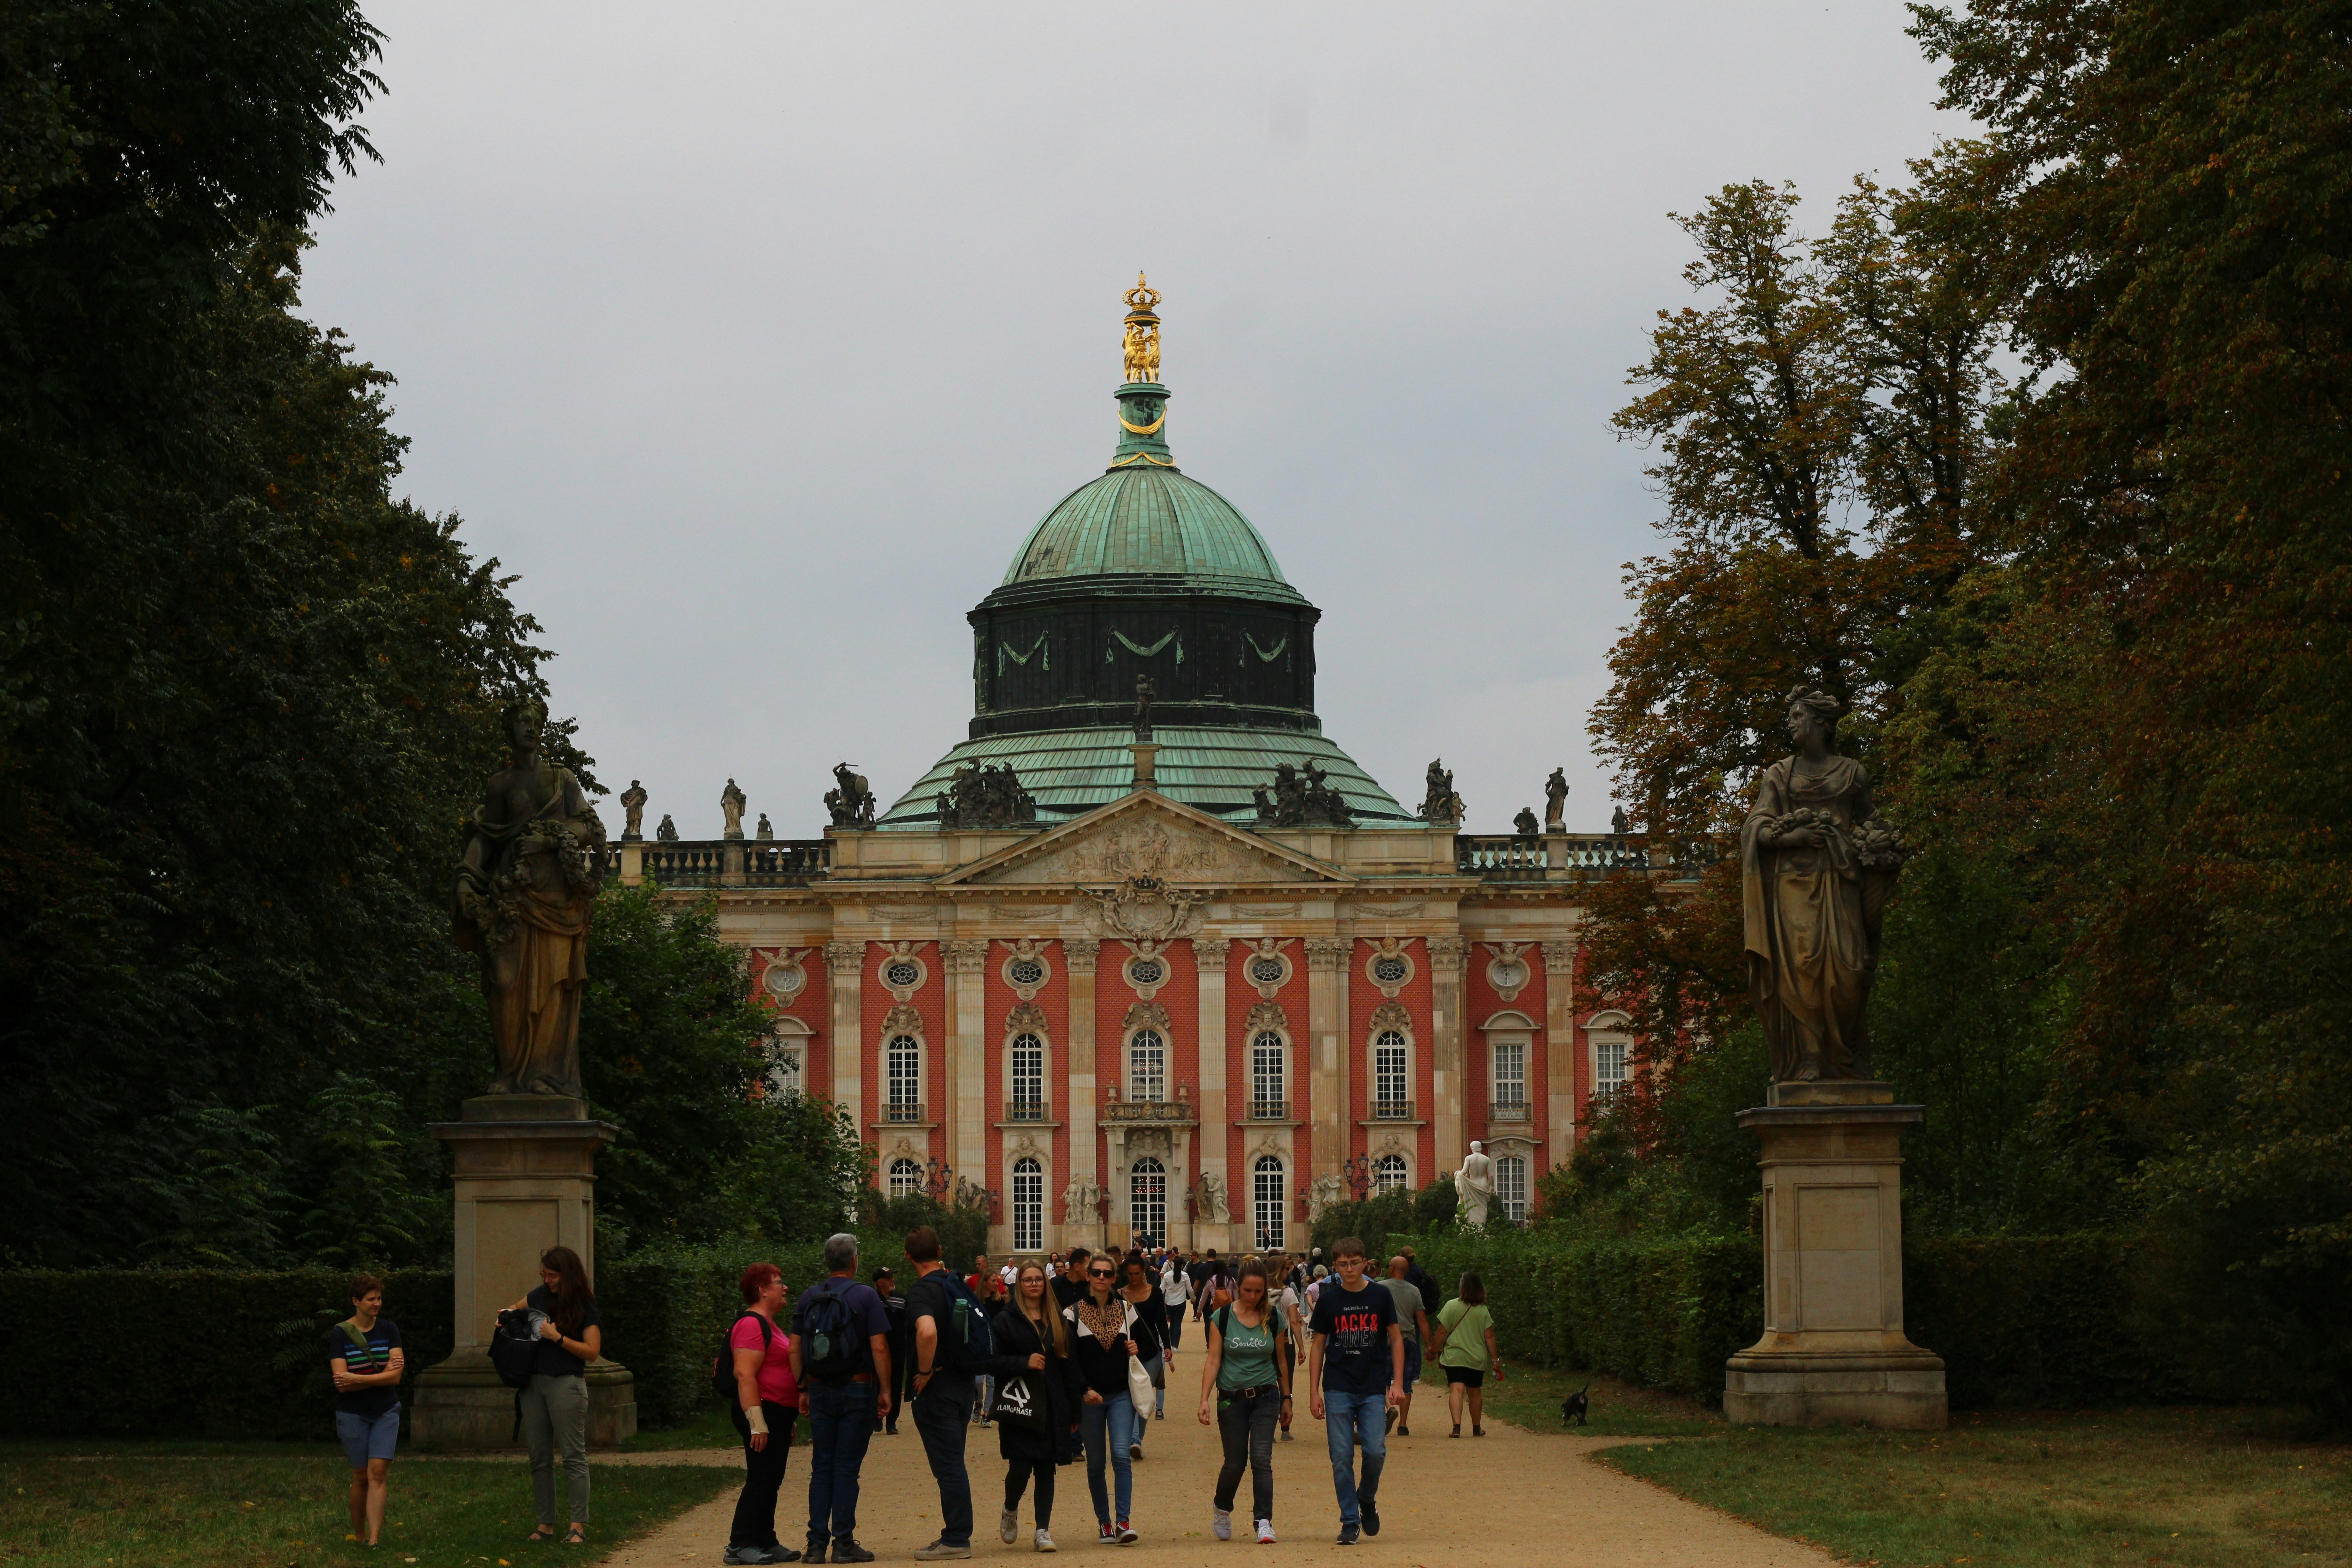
(1068, 1360)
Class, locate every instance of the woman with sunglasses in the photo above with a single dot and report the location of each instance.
(1035, 1364)
(1102, 1324)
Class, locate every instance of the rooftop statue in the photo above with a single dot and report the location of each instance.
(980, 795)
(850, 802)
(1143, 693)
(633, 803)
(668, 832)
(1556, 802)
(1304, 798)
(1524, 824)
(1619, 823)
(766, 833)
(524, 891)
(732, 803)
(1141, 344)
(1817, 865)
(1438, 801)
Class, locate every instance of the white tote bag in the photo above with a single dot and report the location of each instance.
(1139, 1383)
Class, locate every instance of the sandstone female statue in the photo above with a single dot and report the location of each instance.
(1816, 867)
(534, 852)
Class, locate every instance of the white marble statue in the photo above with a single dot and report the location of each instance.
(1474, 1184)
(1213, 1198)
(1326, 1191)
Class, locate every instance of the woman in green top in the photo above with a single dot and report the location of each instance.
(1465, 1349)
(1250, 1373)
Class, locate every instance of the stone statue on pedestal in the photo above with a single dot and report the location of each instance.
(731, 802)
(633, 803)
(1817, 867)
(1474, 1184)
(766, 833)
(524, 890)
(1213, 1198)
(1524, 825)
(851, 801)
(1556, 802)
(668, 832)
(1438, 801)
(1619, 823)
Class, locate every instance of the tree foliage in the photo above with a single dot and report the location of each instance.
(2092, 630)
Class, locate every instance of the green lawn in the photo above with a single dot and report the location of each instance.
(705, 1429)
(237, 1510)
(1530, 1397)
(2182, 1488)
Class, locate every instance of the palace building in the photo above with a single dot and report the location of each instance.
(1146, 957)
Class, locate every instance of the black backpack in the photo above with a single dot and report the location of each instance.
(514, 1348)
(967, 1335)
(829, 1334)
(722, 1365)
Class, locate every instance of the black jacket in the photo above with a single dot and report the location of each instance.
(1066, 1391)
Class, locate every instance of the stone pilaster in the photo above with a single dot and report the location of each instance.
(967, 1064)
(1080, 953)
(845, 961)
(1446, 1060)
(1327, 1027)
(1559, 1052)
(1209, 955)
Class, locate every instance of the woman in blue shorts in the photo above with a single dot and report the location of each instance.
(363, 1357)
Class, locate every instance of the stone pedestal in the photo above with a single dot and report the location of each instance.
(526, 1182)
(1833, 1351)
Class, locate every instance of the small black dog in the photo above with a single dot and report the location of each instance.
(1575, 1407)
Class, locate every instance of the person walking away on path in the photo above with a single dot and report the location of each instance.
(1249, 1377)
(1465, 1350)
(1037, 1366)
(1175, 1291)
(943, 1390)
(1102, 1325)
(1432, 1297)
(1355, 1368)
(1140, 1290)
(1291, 1312)
(902, 1351)
(991, 1295)
(1071, 1283)
(365, 1357)
(1201, 1267)
(1412, 1324)
(555, 1401)
(841, 1351)
(767, 1398)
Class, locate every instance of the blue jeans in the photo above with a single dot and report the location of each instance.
(1349, 1419)
(841, 1424)
(940, 1418)
(1112, 1420)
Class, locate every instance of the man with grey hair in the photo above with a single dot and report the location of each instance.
(841, 1345)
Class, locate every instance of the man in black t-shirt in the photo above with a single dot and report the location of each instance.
(902, 1345)
(1071, 1283)
(1355, 1370)
(943, 1396)
(364, 1358)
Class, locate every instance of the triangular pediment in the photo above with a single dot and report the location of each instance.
(1146, 835)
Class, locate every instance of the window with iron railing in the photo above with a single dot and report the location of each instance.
(903, 1067)
(1268, 1078)
(1510, 1075)
(1389, 1084)
(1028, 1072)
(1147, 1066)
(1608, 1071)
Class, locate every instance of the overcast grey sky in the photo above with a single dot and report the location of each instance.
(756, 337)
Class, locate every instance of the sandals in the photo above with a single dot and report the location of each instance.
(578, 1536)
(542, 1536)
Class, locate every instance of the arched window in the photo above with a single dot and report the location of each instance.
(903, 1061)
(1147, 1202)
(1388, 1174)
(1028, 1101)
(1147, 1066)
(906, 1177)
(1269, 1202)
(1028, 1205)
(1391, 1096)
(1511, 1187)
(1269, 1080)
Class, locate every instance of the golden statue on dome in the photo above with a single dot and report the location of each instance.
(1142, 345)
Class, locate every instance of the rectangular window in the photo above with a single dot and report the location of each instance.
(1269, 1198)
(1510, 1075)
(1608, 1071)
(1388, 1070)
(1146, 1067)
(1266, 1085)
(1028, 1077)
(1028, 1206)
(1511, 1187)
(905, 1064)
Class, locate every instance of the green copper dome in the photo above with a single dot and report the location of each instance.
(1145, 517)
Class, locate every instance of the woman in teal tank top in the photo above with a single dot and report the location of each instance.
(1248, 1374)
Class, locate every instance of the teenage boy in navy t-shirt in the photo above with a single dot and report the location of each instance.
(1355, 1370)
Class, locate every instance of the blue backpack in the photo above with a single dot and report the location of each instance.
(829, 1335)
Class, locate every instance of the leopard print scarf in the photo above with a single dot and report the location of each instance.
(1107, 1324)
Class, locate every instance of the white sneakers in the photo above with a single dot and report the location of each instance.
(1044, 1542)
(1008, 1527)
(1265, 1533)
(1222, 1525)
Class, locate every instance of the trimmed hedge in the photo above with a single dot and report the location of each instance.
(242, 1354)
(2018, 1320)
(218, 1354)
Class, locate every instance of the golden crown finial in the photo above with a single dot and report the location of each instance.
(1141, 344)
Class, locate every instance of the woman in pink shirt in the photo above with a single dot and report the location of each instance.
(767, 1398)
